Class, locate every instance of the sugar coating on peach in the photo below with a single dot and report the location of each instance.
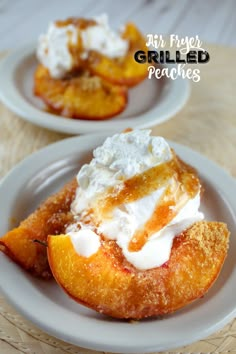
(107, 283)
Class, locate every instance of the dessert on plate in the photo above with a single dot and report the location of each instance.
(126, 237)
(86, 68)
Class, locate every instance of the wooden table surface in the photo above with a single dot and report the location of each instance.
(207, 124)
(21, 21)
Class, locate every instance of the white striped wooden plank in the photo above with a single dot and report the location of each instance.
(35, 19)
(150, 15)
(194, 22)
(120, 11)
(21, 21)
(228, 33)
(216, 21)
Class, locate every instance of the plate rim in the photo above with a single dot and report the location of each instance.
(108, 347)
(11, 97)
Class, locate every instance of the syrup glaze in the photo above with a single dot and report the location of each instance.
(181, 183)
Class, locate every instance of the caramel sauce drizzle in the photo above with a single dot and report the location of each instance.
(77, 48)
(183, 184)
(81, 23)
(170, 203)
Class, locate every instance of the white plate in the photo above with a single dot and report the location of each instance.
(152, 102)
(46, 305)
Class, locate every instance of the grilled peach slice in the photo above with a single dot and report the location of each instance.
(107, 283)
(50, 217)
(124, 70)
(81, 96)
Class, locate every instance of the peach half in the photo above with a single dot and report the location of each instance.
(81, 96)
(107, 283)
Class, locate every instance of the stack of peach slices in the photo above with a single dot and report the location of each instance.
(86, 69)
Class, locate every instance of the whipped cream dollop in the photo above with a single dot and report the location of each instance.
(80, 235)
(103, 40)
(120, 158)
(53, 49)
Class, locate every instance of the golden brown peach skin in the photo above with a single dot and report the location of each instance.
(107, 283)
(125, 70)
(51, 216)
(80, 96)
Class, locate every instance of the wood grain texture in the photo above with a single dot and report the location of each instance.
(22, 21)
(207, 124)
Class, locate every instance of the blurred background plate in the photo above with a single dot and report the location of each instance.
(150, 103)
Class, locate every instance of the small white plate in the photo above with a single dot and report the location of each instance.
(150, 103)
(46, 305)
